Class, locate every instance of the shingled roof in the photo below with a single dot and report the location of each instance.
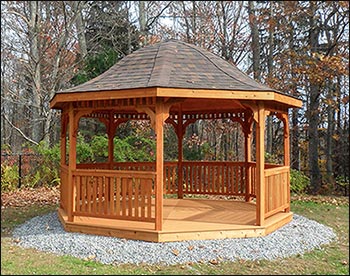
(171, 64)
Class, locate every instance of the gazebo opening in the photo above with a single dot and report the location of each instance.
(174, 84)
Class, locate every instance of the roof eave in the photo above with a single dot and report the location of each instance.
(61, 98)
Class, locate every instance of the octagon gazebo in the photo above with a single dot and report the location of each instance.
(177, 83)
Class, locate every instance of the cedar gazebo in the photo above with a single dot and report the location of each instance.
(176, 83)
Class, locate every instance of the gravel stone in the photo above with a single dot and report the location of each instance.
(45, 233)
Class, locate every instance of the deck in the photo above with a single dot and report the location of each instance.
(185, 219)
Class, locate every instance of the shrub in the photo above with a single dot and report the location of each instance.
(9, 177)
(298, 181)
(342, 185)
(47, 171)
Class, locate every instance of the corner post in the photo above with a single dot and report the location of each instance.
(260, 166)
(287, 155)
(247, 152)
(72, 161)
(180, 136)
(63, 138)
(110, 133)
(161, 114)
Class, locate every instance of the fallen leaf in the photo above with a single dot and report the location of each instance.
(190, 247)
(175, 252)
(214, 262)
(91, 257)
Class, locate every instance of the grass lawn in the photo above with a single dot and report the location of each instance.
(333, 259)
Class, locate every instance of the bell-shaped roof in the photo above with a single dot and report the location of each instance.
(171, 64)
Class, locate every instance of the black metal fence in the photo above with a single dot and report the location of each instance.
(25, 163)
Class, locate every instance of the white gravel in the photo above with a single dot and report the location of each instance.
(45, 233)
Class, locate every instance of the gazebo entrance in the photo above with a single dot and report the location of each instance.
(127, 199)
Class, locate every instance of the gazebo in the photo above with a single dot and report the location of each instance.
(175, 83)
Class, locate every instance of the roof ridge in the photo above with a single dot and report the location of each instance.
(154, 63)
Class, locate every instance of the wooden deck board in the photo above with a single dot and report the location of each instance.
(186, 219)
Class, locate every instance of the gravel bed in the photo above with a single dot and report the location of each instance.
(45, 233)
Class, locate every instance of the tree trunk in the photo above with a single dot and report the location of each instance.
(35, 68)
(295, 164)
(315, 174)
(255, 40)
(269, 121)
(79, 24)
(142, 21)
(330, 133)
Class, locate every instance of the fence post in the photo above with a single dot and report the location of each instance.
(19, 170)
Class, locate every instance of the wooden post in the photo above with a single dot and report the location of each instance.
(161, 115)
(72, 162)
(180, 136)
(63, 138)
(287, 155)
(286, 140)
(260, 166)
(111, 133)
(247, 149)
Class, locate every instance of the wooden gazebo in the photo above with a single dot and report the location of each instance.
(177, 83)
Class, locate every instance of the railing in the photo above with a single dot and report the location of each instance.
(276, 190)
(94, 166)
(170, 180)
(64, 187)
(170, 172)
(134, 166)
(126, 190)
(114, 194)
(216, 178)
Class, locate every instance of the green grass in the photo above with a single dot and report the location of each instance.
(332, 259)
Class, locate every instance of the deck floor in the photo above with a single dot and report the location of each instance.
(186, 219)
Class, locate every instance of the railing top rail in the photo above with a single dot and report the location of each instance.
(214, 162)
(276, 170)
(112, 173)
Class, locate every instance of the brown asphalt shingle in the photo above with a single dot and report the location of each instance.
(173, 64)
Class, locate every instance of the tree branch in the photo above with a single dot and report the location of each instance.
(20, 131)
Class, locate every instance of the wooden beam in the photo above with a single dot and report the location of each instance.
(63, 139)
(72, 161)
(247, 130)
(291, 101)
(228, 94)
(260, 166)
(180, 135)
(110, 133)
(65, 97)
(287, 155)
(161, 114)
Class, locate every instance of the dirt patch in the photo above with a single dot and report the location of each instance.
(26, 197)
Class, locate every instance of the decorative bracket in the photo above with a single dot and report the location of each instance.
(149, 112)
(255, 110)
(284, 118)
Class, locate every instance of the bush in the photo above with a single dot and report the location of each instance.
(298, 182)
(47, 171)
(342, 185)
(9, 177)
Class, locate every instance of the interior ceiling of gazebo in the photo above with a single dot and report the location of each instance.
(174, 69)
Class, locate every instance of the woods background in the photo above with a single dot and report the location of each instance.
(298, 47)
